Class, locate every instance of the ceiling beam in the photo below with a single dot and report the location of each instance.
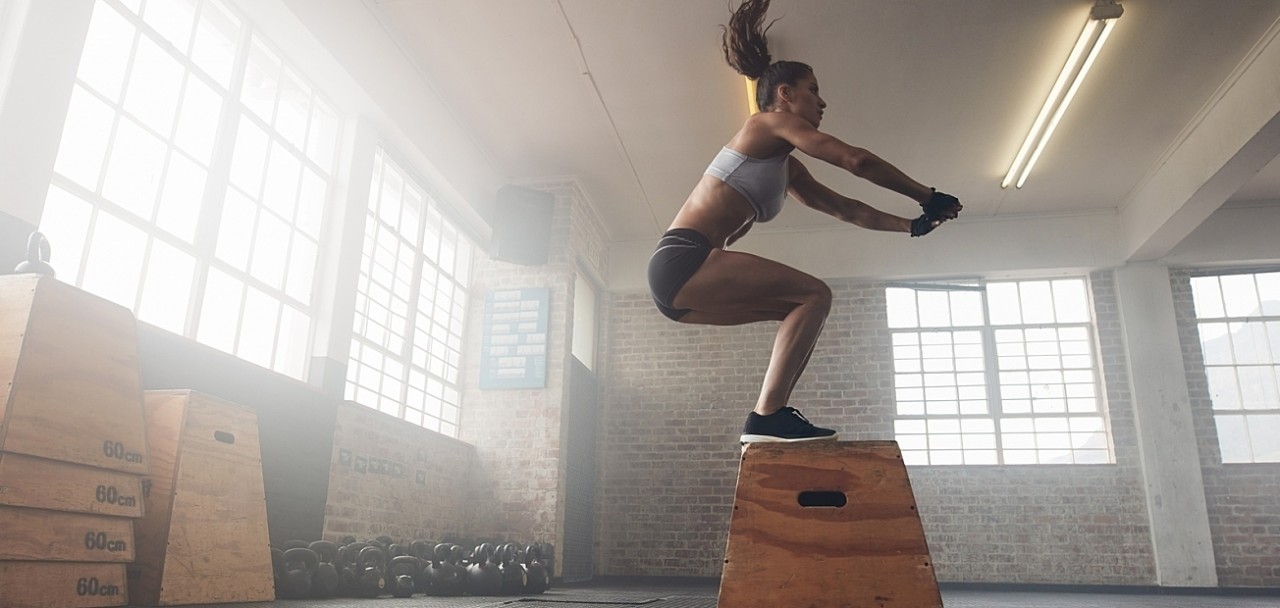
(1229, 141)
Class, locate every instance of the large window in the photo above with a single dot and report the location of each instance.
(192, 176)
(406, 349)
(1239, 322)
(996, 373)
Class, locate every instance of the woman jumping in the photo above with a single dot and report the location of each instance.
(694, 279)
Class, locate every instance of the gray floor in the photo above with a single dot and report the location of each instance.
(704, 596)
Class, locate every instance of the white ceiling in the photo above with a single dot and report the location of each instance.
(632, 97)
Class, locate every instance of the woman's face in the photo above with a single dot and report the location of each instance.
(804, 99)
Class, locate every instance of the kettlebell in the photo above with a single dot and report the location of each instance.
(371, 578)
(37, 256)
(483, 575)
(514, 576)
(300, 568)
(325, 583)
(423, 550)
(401, 571)
(348, 569)
(539, 578)
(444, 577)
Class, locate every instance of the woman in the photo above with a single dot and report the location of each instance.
(694, 279)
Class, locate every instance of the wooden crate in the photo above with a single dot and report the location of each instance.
(70, 387)
(36, 535)
(204, 538)
(62, 585)
(48, 484)
(826, 525)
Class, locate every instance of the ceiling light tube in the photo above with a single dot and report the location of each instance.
(1066, 101)
(1085, 51)
(1072, 60)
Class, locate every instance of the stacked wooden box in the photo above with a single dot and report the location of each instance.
(73, 449)
(204, 539)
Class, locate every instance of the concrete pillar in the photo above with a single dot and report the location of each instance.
(1180, 535)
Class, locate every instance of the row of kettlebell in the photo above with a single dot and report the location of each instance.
(379, 567)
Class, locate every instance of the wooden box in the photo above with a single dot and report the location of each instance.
(204, 537)
(826, 525)
(61, 585)
(48, 484)
(70, 388)
(36, 535)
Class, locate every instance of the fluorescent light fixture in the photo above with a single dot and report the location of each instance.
(1102, 19)
(752, 108)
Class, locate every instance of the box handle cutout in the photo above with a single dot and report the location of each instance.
(822, 498)
(224, 437)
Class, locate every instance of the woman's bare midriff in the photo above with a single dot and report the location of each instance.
(716, 210)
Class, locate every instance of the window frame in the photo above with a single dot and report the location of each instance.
(991, 370)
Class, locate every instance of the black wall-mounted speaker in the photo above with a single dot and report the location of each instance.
(522, 225)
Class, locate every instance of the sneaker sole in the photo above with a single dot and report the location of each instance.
(745, 439)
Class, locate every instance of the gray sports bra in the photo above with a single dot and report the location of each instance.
(763, 182)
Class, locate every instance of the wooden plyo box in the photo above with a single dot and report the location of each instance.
(204, 537)
(826, 525)
(62, 585)
(70, 387)
(36, 535)
(48, 484)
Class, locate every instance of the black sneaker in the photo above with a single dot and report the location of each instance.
(786, 424)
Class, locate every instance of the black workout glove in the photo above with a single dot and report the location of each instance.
(942, 206)
(924, 225)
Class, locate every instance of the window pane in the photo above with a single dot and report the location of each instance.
(302, 263)
(114, 268)
(1264, 436)
(173, 19)
(1233, 438)
(180, 200)
(966, 308)
(270, 250)
(281, 192)
(220, 314)
(235, 234)
(198, 120)
(901, 307)
(134, 171)
(65, 223)
(85, 137)
(1208, 298)
(105, 58)
(214, 48)
(323, 137)
(1269, 292)
(166, 289)
(261, 81)
(935, 308)
(1004, 304)
(250, 158)
(258, 328)
(293, 109)
(311, 203)
(1070, 302)
(154, 85)
(1037, 302)
(1240, 296)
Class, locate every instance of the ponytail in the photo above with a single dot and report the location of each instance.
(747, 51)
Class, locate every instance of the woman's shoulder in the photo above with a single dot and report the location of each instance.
(760, 136)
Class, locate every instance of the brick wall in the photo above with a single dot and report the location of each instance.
(676, 397)
(388, 477)
(1243, 499)
(520, 436)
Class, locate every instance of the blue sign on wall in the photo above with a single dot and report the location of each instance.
(514, 352)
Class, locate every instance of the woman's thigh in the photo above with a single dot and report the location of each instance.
(731, 284)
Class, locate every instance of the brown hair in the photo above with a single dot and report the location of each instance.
(747, 51)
